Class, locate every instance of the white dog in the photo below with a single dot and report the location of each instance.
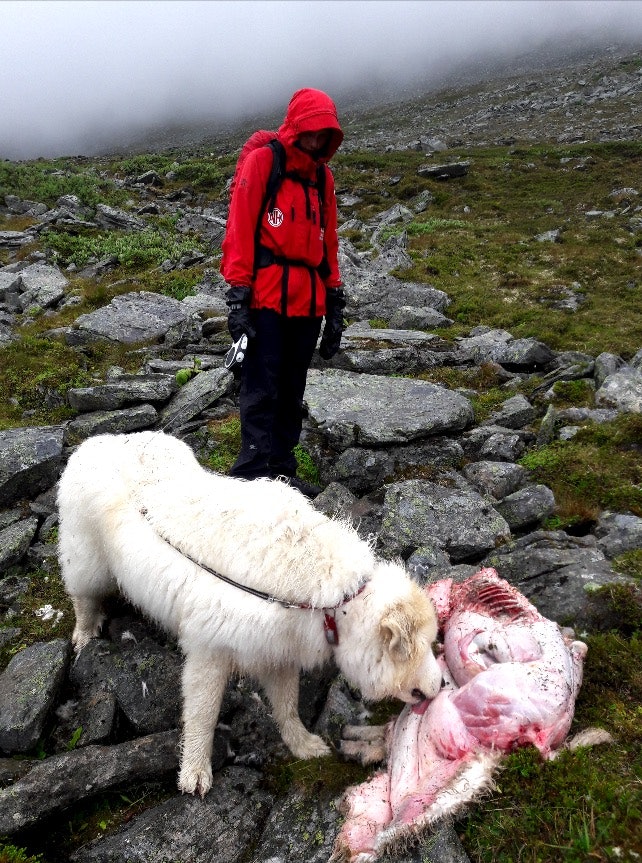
(185, 545)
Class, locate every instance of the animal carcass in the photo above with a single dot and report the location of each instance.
(511, 678)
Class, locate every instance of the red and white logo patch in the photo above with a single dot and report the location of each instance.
(275, 218)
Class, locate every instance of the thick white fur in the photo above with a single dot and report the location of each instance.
(122, 496)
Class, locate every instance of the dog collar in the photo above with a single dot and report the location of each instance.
(329, 620)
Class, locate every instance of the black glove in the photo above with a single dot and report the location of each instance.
(238, 320)
(335, 303)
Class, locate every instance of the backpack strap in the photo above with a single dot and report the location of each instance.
(264, 257)
(276, 174)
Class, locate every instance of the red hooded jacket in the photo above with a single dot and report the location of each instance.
(295, 229)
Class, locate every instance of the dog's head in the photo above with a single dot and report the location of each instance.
(386, 639)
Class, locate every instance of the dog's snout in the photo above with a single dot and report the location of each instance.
(418, 694)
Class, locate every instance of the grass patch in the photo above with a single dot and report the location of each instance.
(496, 270)
(44, 181)
(227, 435)
(629, 563)
(45, 588)
(132, 250)
(597, 469)
(37, 372)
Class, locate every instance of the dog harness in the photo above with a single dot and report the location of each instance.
(330, 628)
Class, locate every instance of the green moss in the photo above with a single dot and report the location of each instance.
(12, 854)
(629, 563)
(330, 775)
(36, 372)
(599, 468)
(306, 468)
(578, 393)
(227, 435)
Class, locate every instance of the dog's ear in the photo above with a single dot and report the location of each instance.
(397, 633)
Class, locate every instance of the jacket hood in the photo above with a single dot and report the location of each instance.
(310, 111)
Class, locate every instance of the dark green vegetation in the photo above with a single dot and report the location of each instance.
(599, 468)
(477, 241)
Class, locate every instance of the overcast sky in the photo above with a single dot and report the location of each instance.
(76, 76)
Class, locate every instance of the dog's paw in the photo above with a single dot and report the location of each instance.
(82, 639)
(195, 781)
(310, 746)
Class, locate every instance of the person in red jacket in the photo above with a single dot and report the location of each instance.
(280, 260)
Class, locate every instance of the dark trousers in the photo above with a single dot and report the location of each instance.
(273, 378)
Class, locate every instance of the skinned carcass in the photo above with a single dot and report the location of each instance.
(511, 677)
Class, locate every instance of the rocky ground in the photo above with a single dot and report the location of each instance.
(582, 92)
(369, 428)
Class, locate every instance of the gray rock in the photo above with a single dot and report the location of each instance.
(15, 541)
(606, 364)
(527, 507)
(15, 239)
(135, 317)
(381, 361)
(560, 574)
(41, 285)
(584, 415)
(516, 412)
(144, 680)
(364, 469)
(335, 500)
(410, 317)
(24, 208)
(10, 282)
(300, 829)
(208, 224)
(495, 443)
(30, 461)
(427, 564)
(28, 689)
(352, 409)
(372, 294)
(496, 478)
(126, 390)
(199, 393)
(502, 446)
(221, 828)
(93, 712)
(444, 172)
(392, 253)
(342, 707)
(56, 783)
(440, 844)
(618, 533)
(110, 422)
(553, 236)
(498, 346)
(622, 390)
(114, 218)
(458, 521)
